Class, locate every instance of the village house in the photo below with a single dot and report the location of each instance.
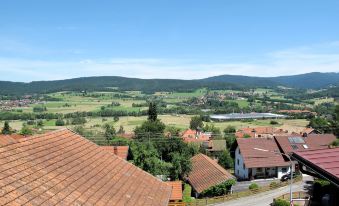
(63, 168)
(256, 158)
(259, 132)
(206, 173)
(195, 136)
(295, 143)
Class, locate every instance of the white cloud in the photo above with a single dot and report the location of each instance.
(321, 57)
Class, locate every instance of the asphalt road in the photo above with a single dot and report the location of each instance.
(241, 186)
(266, 198)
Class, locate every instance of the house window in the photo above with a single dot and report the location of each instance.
(238, 161)
(259, 169)
(284, 169)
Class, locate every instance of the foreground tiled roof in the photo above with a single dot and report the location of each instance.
(206, 173)
(176, 190)
(9, 139)
(63, 168)
(120, 151)
(252, 151)
(322, 161)
(312, 141)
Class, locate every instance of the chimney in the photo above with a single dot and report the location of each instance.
(115, 150)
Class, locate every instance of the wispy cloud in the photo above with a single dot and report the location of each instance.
(321, 57)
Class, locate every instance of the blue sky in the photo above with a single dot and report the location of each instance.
(185, 39)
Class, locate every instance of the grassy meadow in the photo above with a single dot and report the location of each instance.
(70, 102)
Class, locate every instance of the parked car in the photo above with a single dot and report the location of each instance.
(288, 176)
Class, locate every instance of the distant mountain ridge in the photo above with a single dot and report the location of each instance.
(314, 80)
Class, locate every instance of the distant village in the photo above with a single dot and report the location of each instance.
(257, 155)
(25, 101)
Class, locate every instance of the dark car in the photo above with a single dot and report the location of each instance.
(288, 176)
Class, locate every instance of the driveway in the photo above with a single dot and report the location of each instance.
(241, 186)
(266, 198)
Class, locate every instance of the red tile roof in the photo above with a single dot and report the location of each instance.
(206, 173)
(63, 168)
(295, 111)
(250, 149)
(257, 131)
(10, 139)
(323, 161)
(120, 151)
(176, 190)
(312, 141)
(194, 136)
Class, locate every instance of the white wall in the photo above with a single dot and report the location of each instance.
(242, 173)
(239, 170)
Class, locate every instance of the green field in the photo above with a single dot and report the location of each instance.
(71, 102)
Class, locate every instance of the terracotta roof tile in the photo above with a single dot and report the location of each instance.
(254, 158)
(206, 173)
(312, 141)
(193, 136)
(176, 190)
(252, 132)
(9, 139)
(63, 168)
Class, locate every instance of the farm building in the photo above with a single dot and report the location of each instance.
(242, 116)
(206, 173)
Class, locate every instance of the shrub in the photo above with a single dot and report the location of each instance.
(78, 120)
(59, 122)
(335, 143)
(25, 130)
(39, 109)
(253, 186)
(30, 122)
(280, 202)
(320, 188)
(274, 122)
(220, 189)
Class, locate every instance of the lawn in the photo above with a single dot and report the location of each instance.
(187, 193)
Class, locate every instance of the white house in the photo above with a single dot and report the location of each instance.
(256, 158)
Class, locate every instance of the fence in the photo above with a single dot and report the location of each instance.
(295, 195)
(221, 199)
(300, 198)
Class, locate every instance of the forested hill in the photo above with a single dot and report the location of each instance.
(315, 80)
(106, 83)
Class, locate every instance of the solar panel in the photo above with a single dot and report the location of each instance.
(296, 140)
